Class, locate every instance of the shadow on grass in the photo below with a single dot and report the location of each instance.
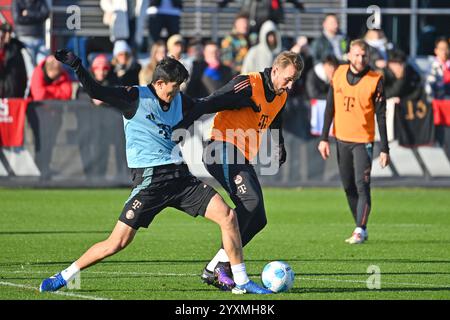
(264, 261)
(366, 274)
(154, 290)
(411, 241)
(350, 260)
(51, 232)
(294, 291)
(24, 278)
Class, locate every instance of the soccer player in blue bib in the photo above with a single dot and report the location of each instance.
(160, 178)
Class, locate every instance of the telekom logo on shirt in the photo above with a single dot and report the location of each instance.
(349, 102)
(263, 121)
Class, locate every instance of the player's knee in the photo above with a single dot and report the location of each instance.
(363, 189)
(115, 245)
(350, 189)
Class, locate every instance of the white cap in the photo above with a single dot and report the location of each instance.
(121, 46)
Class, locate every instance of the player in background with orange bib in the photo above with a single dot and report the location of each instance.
(356, 95)
(235, 140)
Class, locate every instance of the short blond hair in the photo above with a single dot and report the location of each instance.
(360, 43)
(286, 58)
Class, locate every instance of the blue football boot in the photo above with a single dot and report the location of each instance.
(250, 287)
(53, 283)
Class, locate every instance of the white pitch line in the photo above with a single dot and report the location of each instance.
(112, 273)
(390, 283)
(118, 273)
(67, 294)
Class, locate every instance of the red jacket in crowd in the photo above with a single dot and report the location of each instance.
(42, 89)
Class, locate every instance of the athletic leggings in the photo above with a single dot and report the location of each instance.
(355, 163)
(238, 177)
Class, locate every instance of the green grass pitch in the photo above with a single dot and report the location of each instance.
(44, 231)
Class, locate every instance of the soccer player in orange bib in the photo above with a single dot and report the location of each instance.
(235, 140)
(356, 95)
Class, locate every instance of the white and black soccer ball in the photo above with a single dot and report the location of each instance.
(278, 276)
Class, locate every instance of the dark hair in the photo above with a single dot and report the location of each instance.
(331, 59)
(194, 42)
(242, 15)
(439, 40)
(397, 56)
(210, 42)
(170, 70)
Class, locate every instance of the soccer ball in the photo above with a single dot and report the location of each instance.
(278, 276)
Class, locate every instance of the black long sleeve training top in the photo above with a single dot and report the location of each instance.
(236, 94)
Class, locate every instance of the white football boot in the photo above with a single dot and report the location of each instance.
(358, 236)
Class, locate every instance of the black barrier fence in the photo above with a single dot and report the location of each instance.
(77, 144)
(71, 143)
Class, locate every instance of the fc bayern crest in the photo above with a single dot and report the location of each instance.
(130, 215)
(237, 179)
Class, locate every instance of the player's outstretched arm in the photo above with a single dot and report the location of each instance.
(68, 58)
(236, 94)
(122, 98)
(93, 89)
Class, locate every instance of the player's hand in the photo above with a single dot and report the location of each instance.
(67, 57)
(282, 154)
(324, 149)
(384, 159)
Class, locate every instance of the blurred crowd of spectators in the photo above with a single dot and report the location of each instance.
(27, 69)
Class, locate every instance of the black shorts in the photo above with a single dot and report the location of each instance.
(157, 188)
(226, 163)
